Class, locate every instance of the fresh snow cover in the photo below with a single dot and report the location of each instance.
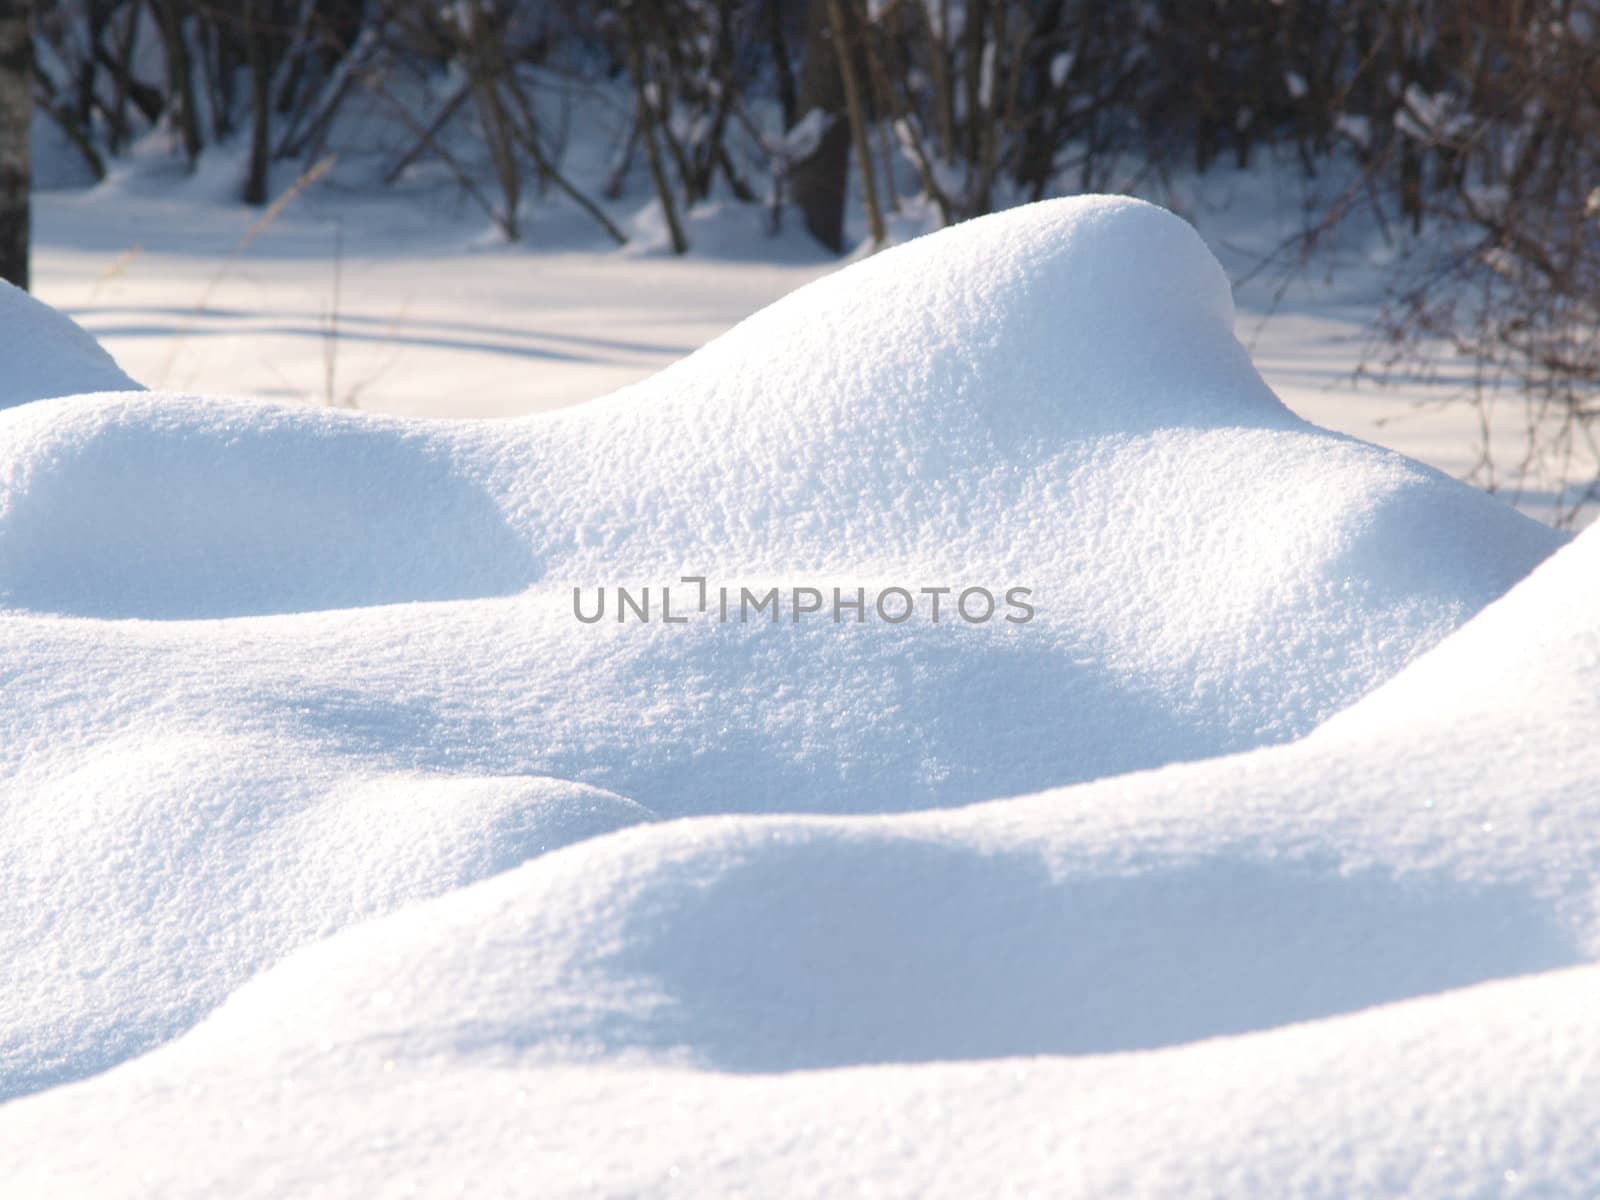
(43, 353)
(272, 670)
(1020, 997)
(167, 869)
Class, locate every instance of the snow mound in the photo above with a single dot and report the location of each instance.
(1369, 862)
(1485, 1092)
(206, 508)
(781, 944)
(43, 353)
(224, 619)
(1532, 658)
(673, 977)
(277, 850)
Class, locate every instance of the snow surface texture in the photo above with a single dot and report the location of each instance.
(270, 671)
(919, 983)
(42, 353)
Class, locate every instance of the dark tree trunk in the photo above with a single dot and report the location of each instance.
(818, 181)
(843, 33)
(645, 116)
(16, 115)
(779, 45)
(180, 73)
(256, 183)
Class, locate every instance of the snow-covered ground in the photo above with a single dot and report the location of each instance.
(1248, 846)
(388, 305)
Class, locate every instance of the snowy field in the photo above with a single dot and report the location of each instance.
(1245, 843)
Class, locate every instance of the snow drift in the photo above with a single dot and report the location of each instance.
(650, 982)
(271, 671)
(43, 353)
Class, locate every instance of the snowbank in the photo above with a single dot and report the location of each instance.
(663, 985)
(270, 671)
(43, 353)
(129, 915)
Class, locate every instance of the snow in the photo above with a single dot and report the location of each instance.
(803, 1005)
(206, 509)
(409, 305)
(138, 907)
(317, 791)
(418, 313)
(47, 355)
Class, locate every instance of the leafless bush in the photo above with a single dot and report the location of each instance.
(1491, 154)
